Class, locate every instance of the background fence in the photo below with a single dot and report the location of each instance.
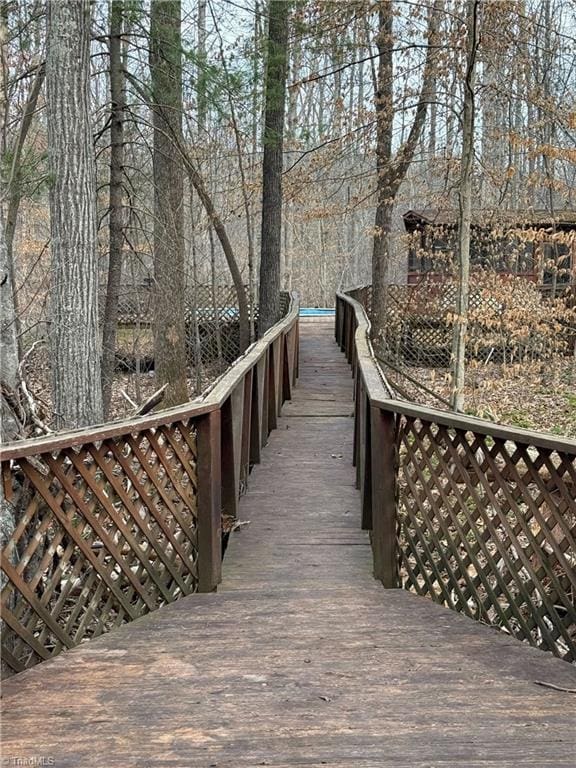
(103, 525)
(476, 516)
(512, 323)
(212, 326)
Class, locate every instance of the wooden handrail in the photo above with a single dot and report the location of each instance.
(210, 401)
(376, 384)
(381, 395)
(478, 516)
(114, 521)
(481, 426)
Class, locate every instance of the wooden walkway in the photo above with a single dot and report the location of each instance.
(301, 659)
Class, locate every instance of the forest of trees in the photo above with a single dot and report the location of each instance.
(265, 145)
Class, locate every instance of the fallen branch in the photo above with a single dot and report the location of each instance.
(26, 355)
(33, 409)
(32, 412)
(127, 397)
(152, 401)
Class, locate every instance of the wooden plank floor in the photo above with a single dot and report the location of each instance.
(301, 659)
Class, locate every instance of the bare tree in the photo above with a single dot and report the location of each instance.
(9, 358)
(391, 167)
(166, 72)
(116, 210)
(14, 186)
(74, 334)
(271, 237)
(464, 212)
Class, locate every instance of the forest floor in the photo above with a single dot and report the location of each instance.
(128, 389)
(537, 396)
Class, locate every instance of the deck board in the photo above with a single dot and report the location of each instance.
(301, 659)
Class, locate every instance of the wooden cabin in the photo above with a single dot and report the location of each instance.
(533, 245)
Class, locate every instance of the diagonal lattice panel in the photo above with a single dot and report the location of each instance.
(104, 533)
(488, 527)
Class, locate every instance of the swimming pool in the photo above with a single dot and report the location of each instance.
(317, 312)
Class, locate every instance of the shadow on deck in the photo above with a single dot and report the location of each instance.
(301, 658)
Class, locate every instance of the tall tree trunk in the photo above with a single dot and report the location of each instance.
(391, 168)
(13, 187)
(214, 292)
(201, 74)
(271, 232)
(195, 176)
(254, 269)
(245, 195)
(77, 392)
(169, 326)
(197, 346)
(287, 261)
(9, 356)
(465, 212)
(433, 130)
(8, 339)
(116, 214)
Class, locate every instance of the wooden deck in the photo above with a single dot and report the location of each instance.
(301, 659)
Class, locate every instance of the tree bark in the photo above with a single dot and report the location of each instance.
(197, 346)
(77, 392)
(9, 358)
(196, 180)
(465, 213)
(391, 168)
(169, 325)
(14, 188)
(271, 231)
(116, 213)
(246, 201)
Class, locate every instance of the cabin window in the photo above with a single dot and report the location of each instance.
(556, 263)
(440, 246)
(418, 261)
(502, 254)
(516, 257)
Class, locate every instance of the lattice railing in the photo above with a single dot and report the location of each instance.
(104, 533)
(136, 303)
(476, 516)
(102, 525)
(507, 323)
(211, 322)
(487, 526)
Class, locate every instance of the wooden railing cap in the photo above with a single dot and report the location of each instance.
(210, 401)
(380, 395)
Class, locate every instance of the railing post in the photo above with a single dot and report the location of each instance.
(247, 428)
(272, 404)
(384, 479)
(356, 439)
(351, 334)
(347, 337)
(264, 427)
(209, 502)
(286, 379)
(256, 440)
(366, 463)
(228, 496)
(297, 355)
(340, 312)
